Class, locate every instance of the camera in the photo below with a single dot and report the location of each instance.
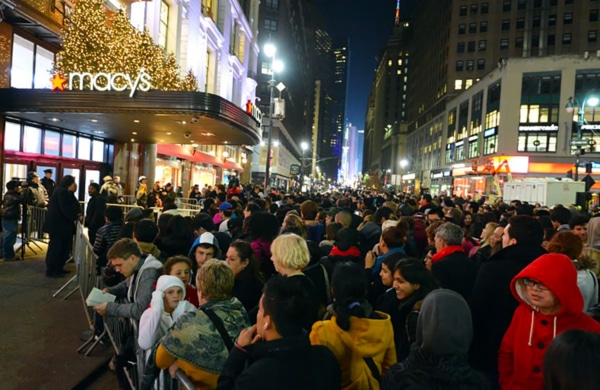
(187, 134)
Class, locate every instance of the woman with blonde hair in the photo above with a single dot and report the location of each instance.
(483, 251)
(290, 255)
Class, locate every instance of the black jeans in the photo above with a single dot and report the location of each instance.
(59, 249)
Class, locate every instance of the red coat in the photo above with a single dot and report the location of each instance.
(523, 347)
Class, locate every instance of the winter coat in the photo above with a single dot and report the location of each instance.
(247, 288)
(136, 289)
(94, 214)
(492, 304)
(367, 337)
(36, 195)
(438, 358)
(289, 363)
(456, 272)
(588, 285)
(196, 344)
(63, 210)
(11, 205)
(523, 347)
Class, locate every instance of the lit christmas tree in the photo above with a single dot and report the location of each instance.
(95, 41)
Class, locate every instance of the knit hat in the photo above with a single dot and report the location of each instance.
(165, 282)
(133, 215)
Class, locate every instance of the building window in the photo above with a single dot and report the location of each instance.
(519, 43)
(521, 4)
(482, 45)
(31, 64)
(460, 66)
(593, 15)
(568, 18)
(481, 64)
(468, 83)
(537, 3)
(506, 6)
(483, 27)
(504, 44)
(592, 35)
(535, 41)
(272, 4)
(551, 39)
(462, 29)
(474, 9)
(471, 46)
(271, 24)
(69, 145)
(505, 24)
(12, 136)
(520, 23)
(33, 135)
(473, 149)
(552, 20)
(536, 21)
(568, 1)
(163, 27)
(472, 28)
(52, 143)
(566, 40)
(485, 8)
(470, 65)
(265, 68)
(489, 145)
(460, 47)
(462, 10)
(540, 142)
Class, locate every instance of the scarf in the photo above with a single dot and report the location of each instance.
(447, 251)
(350, 252)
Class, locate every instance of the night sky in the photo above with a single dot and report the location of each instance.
(368, 24)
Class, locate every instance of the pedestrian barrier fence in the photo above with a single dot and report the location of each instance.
(121, 332)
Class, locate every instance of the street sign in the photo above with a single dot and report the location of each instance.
(580, 142)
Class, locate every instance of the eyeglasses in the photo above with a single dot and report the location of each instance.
(532, 283)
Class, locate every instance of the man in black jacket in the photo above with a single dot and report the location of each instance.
(493, 305)
(277, 350)
(94, 213)
(63, 211)
(11, 212)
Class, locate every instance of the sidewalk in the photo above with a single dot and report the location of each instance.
(40, 334)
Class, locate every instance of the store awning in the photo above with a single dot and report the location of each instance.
(233, 166)
(181, 152)
(153, 117)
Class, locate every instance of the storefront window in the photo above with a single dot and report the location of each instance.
(12, 136)
(52, 143)
(43, 64)
(33, 137)
(21, 72)
(68, 146)
(537, 142)
(97, 150)
(489, 145)
(83, 152)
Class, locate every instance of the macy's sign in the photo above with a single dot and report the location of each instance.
(103, 82)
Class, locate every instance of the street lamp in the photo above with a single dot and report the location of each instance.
(579, 143)
(304, 147)
(276, 66)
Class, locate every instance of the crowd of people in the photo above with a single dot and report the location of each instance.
(356, 290)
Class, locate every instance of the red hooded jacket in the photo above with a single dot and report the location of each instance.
(523, 347)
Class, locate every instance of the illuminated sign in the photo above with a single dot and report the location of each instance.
(540, 127)
(490, 132)
(103, 82)
(591, 126)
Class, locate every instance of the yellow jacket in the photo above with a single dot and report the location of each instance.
(366, 338)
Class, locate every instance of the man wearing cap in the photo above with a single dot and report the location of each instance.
(35, 195)
(218, 217)
(226, 211)
(205, 247)
(47, 182)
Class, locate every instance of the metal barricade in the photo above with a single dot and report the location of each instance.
(36, 218)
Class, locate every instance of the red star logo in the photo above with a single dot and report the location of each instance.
(58, 82)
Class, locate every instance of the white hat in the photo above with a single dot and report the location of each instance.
(165, 282)
(142, 178)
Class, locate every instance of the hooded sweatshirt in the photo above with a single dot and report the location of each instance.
(523, 347)
(438, 358)
(594, 232)
(367, 337)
